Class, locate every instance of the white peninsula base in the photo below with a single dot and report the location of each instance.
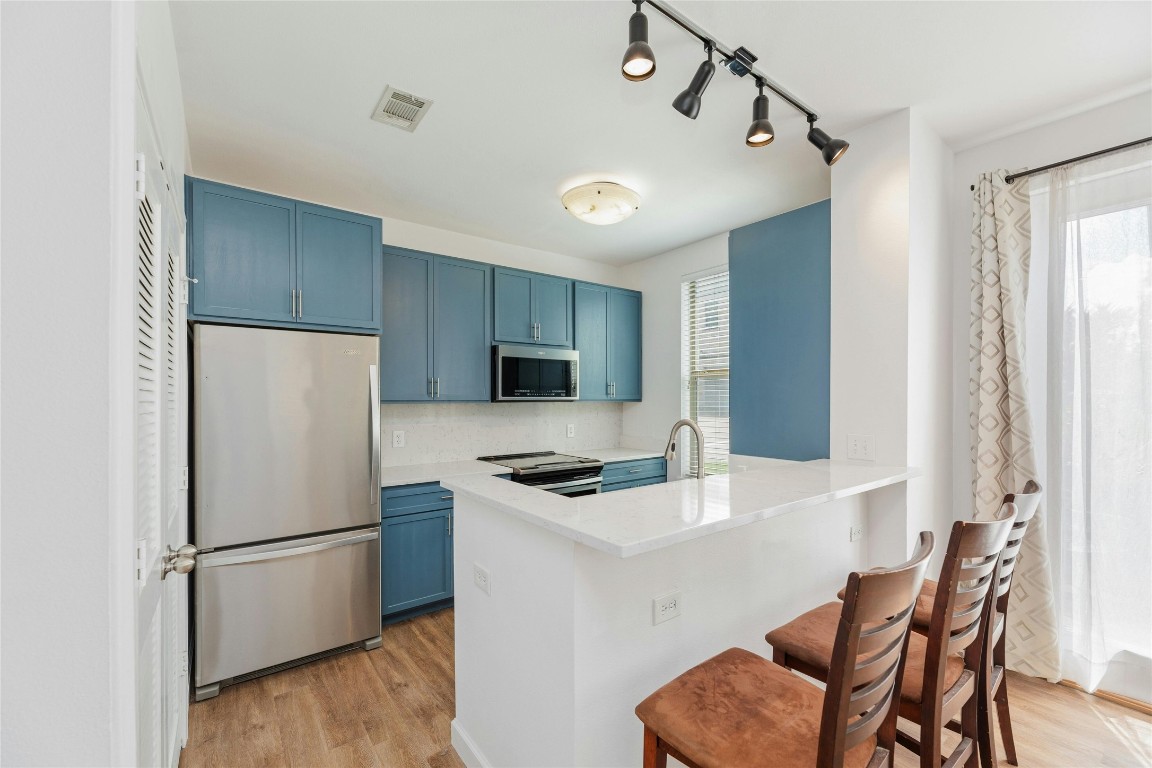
(552, 659)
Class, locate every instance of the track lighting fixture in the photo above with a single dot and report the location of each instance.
(830, 149)
(639, 61)
(688, 102)
(760, 133)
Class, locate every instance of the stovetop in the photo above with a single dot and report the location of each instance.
(545, 461)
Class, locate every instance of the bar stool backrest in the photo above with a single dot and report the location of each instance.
(868, 656)
(964, 592)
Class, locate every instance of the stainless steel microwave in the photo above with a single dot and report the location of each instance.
(535, 373)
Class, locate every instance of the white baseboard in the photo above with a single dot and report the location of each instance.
(469, 753)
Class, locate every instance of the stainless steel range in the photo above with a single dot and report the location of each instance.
(551, 471)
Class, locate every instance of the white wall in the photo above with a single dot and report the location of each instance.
(1089, 131)
(931, 376)
(62, 90)
(159, 76)
(646, 424)
(891, 369)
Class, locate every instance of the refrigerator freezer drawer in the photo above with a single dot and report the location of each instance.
(273, 603)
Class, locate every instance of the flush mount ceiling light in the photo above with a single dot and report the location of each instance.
(640, 64)
(601, 202)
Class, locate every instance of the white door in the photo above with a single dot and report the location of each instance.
(160, 416)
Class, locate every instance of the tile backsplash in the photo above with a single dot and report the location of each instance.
(455, 431)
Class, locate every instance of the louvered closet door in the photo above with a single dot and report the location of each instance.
(149, 378)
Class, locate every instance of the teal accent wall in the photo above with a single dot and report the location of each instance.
(780, 277)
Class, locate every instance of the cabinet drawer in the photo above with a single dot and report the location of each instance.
(408, 499)
(625, 484)
(641, 469)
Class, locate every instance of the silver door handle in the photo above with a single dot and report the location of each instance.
(374, 414)
(293, 303)
(275, 554)
(449, 525)
(179, 560)
(300, 303)
(431, 388)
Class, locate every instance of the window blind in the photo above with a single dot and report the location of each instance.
(704, 369)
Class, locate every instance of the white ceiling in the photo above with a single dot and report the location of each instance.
(528, 101)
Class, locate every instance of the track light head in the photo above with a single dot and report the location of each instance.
(688, 102)
(830, 149)
(760, 133)
(639, 61)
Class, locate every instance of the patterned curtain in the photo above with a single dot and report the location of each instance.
(1001, 430)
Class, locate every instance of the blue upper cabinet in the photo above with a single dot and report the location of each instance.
(608, 337)
(462, 331)
(591, 314)
(260, 259)
(625, 348)
(242, 253)
(436, 342)
(406, 341)
(530, 308)
(338, 258)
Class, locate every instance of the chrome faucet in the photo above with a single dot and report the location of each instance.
(670, 449)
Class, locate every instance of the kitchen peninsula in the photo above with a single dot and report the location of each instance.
(558, 635)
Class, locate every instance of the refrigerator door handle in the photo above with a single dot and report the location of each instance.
(214, 561)
(374, 410)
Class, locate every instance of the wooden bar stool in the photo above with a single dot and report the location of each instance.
(943, 667)
(993, 686)
(739, 709)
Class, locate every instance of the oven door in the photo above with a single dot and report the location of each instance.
(579, 486)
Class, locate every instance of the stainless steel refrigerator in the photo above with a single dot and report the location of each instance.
(286, 433)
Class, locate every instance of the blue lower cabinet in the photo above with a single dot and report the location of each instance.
(618, 475)
(415, 550)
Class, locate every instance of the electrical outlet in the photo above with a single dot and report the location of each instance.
(856, 532)
(862, 447)
(571, 430)
(397, 438)
(482, 579)
(665, 607)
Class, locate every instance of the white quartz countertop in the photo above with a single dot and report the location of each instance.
(638, 520)
(433, 472)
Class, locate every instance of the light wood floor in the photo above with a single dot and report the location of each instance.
(392, 707)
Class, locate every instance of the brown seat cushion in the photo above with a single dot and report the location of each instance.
(739, 709)
(922, 613)
(810, 637)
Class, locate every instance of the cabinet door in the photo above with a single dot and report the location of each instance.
(591, 321)
(462, 351)
(625, 353)
(338, 257)
(553, 308)
(406, 338)
(512, 307)
(416, 560)
(243, 246)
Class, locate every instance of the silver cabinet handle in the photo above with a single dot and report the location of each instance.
(431, 388)
(449, 525)
(293, 303)
(300, 303)
(374, 414)
(445, 498)
(634, 471)
(436, 387)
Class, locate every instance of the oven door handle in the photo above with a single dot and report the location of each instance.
(569, 484)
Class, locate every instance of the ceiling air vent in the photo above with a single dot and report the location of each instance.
(400, 109)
